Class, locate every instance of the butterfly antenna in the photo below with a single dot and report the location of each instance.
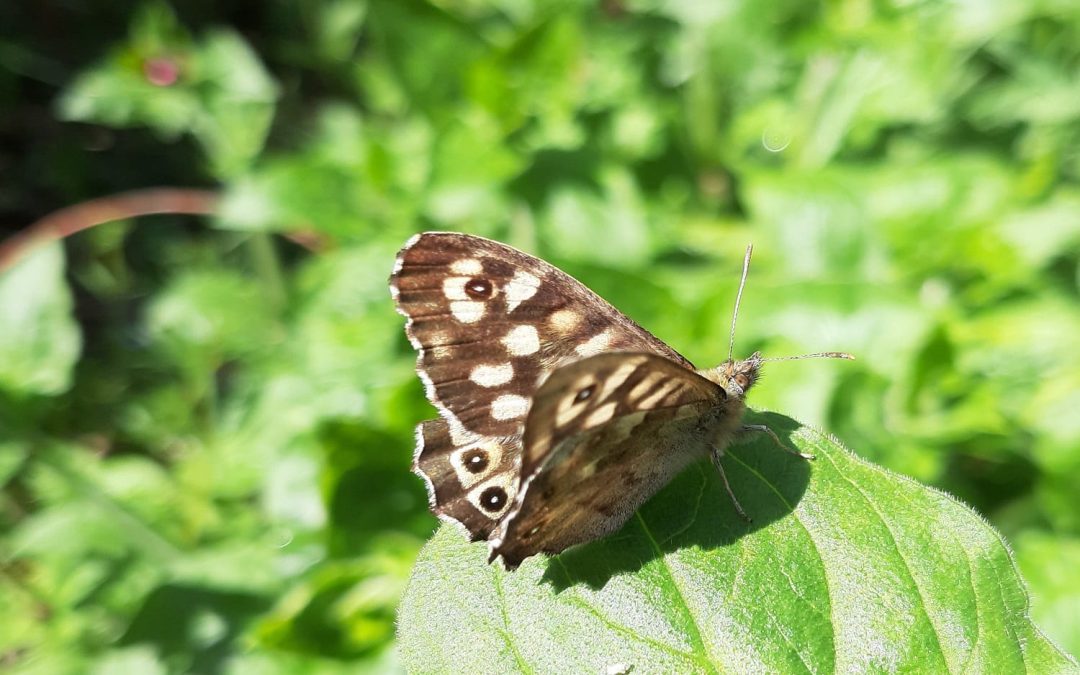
(816, 355)
(738, 299)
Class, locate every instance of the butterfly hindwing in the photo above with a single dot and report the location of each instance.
(489, 324)
(604, 434)
(468, 483)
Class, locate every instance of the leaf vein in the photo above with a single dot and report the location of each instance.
(697, 508)
(1005, 617)
(795, 515)
(787, 639)
(508, 636)
(903, 558)
(629, 632)
(695, 633)
(978, 620)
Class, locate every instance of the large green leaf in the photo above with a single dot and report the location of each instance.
(846, 567)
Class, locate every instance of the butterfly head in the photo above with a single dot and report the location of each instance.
(736, 377)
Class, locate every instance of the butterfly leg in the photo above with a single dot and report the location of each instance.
(715, 454)
(761, 428)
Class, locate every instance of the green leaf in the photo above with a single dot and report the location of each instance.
(215, 88)
(207, 316)
(39, 339)
(237, 102)
(122, 91)
(846, 567)
(1049, 562)
(12, 456)
(140, 659)
(577, 219)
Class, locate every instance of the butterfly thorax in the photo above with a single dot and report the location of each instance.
(735, 377)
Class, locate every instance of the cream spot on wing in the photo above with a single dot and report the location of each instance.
(437, 338)
(459, 435)
(492, 376)
(469, 266)
(569, 406)
(454, 288)
(584, 382)
(564, 321)
(615, 380)
(503, 482)
(594, 345)
(542, 444)
(568, 410)
(467, 311)
(522, 341)
(600, 415)
(509, 406)
(519, 289)
(440, 344)
(657, 397)
(489, 449)
(643, 387)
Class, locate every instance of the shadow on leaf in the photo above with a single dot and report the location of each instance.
(694, 510)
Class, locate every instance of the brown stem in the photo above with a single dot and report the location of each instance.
(69, 220)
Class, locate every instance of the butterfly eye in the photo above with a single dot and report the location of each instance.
(475, 461)
(479, 289)
(585, 393)
(741, 380)
(493, 498)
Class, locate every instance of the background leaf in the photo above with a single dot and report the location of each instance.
(846, 567)
(39, 339)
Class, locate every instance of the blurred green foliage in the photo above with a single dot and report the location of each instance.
(205, 432)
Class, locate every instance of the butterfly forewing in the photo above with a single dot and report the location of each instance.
(489, 323)
(604, 434)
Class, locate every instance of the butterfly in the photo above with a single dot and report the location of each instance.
(558, 415)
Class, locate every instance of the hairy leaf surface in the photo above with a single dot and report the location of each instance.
(846, 567)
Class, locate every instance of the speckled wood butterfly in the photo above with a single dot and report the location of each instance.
(558, 415)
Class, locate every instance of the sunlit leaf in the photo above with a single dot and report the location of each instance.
(846, 567)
